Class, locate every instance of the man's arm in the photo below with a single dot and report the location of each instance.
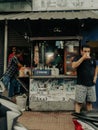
(75, 64)
(16, 61)
(96, 73)
(20, 65)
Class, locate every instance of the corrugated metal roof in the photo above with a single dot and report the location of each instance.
(51, 15)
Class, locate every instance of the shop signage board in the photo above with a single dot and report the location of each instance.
(52, 5)
(52, 94)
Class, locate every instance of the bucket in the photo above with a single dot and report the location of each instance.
(21, 102)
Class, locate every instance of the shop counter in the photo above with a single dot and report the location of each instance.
(52, 93)
(54, 76)
(24, 81)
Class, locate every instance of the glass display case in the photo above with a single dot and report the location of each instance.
(70, 51)
(53, 57)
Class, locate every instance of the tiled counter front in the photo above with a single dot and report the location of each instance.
(52, 94)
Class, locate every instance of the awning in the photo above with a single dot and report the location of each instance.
(51, 15)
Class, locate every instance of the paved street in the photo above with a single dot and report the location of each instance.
(47, 120)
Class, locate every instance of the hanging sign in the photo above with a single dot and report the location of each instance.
(52, 5)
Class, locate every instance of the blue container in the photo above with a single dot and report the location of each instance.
(42, 72)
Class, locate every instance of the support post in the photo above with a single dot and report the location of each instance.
(5, 44)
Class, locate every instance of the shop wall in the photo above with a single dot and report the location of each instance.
(14, 5)
(16, 39)
(90, 35)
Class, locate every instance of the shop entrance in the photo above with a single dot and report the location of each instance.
(37, 30)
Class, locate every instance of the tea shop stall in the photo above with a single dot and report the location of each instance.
(52, 80)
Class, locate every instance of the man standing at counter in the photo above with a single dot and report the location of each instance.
(11, 55)
(11, 73)
(86, 79)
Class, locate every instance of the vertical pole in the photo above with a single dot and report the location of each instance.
(5, 44)
(31, 57)
(31, 5)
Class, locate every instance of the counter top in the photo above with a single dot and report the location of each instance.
(50, 76)
(58, 76)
